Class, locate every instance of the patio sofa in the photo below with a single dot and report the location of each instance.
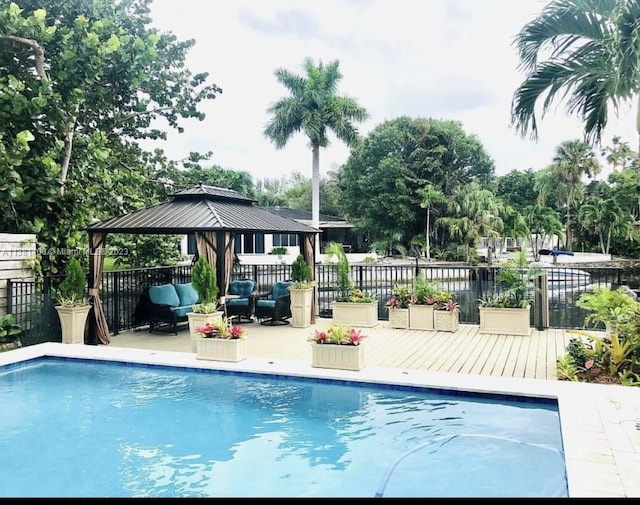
(169, 305)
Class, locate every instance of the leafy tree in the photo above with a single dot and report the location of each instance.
(584, 51)
(381, 181)
(314, 108)
(605, 218)
(517, 188)
(240, 181)
(543, 223)
(141, 251)
(81, 83)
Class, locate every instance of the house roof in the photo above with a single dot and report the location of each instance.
(305, 217)
(202, 208)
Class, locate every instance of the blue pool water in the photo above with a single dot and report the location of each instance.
(79, 428)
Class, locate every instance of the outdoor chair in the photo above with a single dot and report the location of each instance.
(274, 306)
(239, 300)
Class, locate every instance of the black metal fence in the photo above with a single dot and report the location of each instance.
(123, 292)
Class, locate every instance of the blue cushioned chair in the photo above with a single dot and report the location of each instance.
(242, 306)
(274, 307)
(169, 305)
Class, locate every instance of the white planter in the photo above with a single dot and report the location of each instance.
(504, 321)
(197, 320)
(343, 357)
(72, 322)
(221, 349)
(363, 315)
(446, 320)
(421, 317)
(399, 318)
(301, 300)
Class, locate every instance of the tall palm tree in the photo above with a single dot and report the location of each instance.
(591, 58)
(430, 197)
(573, 160)
(314, 108)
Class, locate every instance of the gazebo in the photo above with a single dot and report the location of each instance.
(213, 214)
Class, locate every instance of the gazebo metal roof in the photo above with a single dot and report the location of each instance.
(202, 208)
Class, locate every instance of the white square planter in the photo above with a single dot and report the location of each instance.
(446, 320)
(221, 349)
(399, 318)
(363, 315)
(301, 307)
(421, 317)
(505, 321)
(343, 357)
(197, 320)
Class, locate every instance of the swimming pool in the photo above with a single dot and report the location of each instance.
(104, 429)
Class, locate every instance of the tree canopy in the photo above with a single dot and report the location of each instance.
(382, 181)
(81, 83)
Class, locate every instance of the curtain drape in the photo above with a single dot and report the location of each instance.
(97, 242)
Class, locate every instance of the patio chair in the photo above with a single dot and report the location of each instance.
(274, 306)
(239, 300)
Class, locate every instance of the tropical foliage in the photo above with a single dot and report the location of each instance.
(337, 335)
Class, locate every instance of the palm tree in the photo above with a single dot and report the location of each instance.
(591, 58)
(604, 217)
(573, 159)
(430, 197)
(476, 213)
(313, 107)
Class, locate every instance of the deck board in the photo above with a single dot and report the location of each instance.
(465, 351)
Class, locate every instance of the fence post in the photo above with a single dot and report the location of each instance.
(115, 299)
(9, 296)
(541, 302)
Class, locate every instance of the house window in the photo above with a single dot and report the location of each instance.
(285, 239)
(253, 243)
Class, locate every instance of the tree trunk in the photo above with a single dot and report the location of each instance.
(428, 240)
(315, 189)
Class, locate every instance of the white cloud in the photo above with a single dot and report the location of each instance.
(447, 59)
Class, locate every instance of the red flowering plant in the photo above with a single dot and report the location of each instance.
(222, 329)
(337, 335)
(444, 300)
(400, 298)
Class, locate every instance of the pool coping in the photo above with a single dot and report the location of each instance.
(600, 424)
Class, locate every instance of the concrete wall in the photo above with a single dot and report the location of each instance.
(15, 250)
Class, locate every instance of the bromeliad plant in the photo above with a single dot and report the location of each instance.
(400, 299)
(445, 300)
(337, 335)
(222, 329)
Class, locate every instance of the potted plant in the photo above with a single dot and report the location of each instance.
(301, 293)
(606, 306)
(10, 332)
(352, 306)
(206, 310)
(338, 346)
(73, 306)
(509, 311)
(221, 341)
(421, 304)
(398, 307)
(446, 312)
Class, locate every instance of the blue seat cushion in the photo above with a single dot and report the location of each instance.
(187, 294)
(237, 302)
(164, 295)
(183, 311)
(266, 303)
(243, 289)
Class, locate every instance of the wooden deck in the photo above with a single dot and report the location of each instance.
(465, 352)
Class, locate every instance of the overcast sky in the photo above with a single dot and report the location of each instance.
(444, 59)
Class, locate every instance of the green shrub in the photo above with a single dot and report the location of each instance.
(300, 271)
(204, 282)
(72, 288)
